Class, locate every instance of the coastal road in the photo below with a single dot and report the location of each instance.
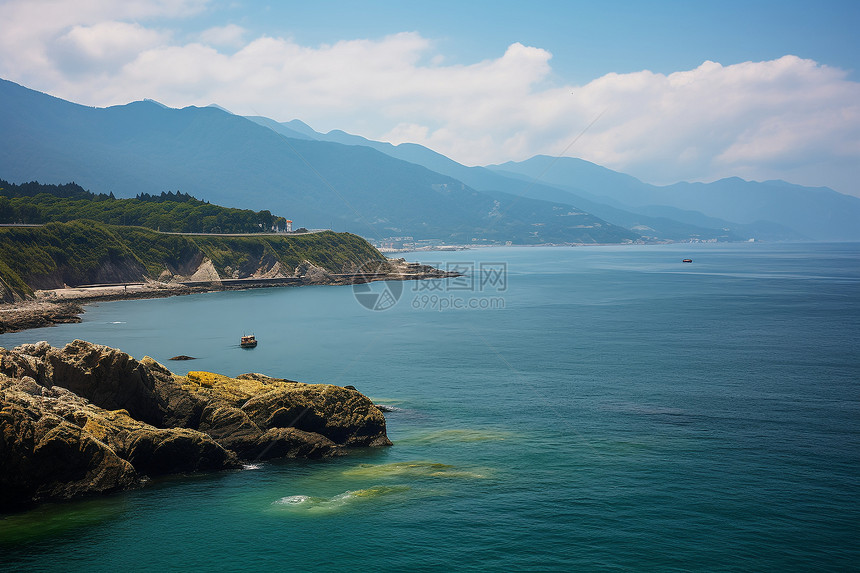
(290, 234)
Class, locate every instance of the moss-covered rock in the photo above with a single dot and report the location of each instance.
(344, 416)
(89, 419)
(46, 453)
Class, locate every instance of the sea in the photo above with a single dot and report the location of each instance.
(606, 408)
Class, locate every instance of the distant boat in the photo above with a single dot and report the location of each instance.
(687, 261)
(248, 342)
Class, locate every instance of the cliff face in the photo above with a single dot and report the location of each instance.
(89, 419)
(116, 269)
(7, 294)
(85, 253)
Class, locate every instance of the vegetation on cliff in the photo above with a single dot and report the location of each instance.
(88, 252)
(33, 203)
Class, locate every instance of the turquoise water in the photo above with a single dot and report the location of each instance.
(605, 408)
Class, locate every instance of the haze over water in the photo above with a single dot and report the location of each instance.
(609, 408)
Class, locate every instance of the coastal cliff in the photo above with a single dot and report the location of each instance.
(77, 253)
(46, 272)
(89, 419)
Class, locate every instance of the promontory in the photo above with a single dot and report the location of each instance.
(48, 271)
(89, 419)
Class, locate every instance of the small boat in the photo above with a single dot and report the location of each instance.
(248, 342)
(687, 261)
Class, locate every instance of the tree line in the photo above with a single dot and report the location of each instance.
(35, 203)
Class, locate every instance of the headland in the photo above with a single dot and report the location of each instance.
(48, 273)
(89, 419)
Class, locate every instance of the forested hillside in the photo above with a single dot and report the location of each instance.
(178, 212)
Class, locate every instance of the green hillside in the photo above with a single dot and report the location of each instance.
(88, 252)
(178, 212)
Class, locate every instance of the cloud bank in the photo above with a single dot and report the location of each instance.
(788, 118)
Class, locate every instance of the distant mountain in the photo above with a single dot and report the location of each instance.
(659, 221)
(651, 222)
(283, 128)
(144, 147)
(215, 105)
(818, 213)
(730, 209)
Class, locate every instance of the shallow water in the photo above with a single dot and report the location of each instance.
(609, 408)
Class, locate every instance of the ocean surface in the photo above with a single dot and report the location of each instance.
(555, 409)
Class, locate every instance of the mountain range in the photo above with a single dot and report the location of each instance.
(375, 189)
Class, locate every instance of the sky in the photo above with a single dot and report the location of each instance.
(663, 90)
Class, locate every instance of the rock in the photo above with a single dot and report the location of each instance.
(109, 378)
(292, 443)
(45, 456)
(233, 429)
(89, 419)
(240, 410)
(39, 315)
(157, 451)
(174, 450)
(346, 417)
(206, 272)
(313, 274)
(183, 357)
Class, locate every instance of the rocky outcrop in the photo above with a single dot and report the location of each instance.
(253, 410)
(266, 267)
(88, 419)
(38, 315)
(408, 271)
(206, 272)
(46, 453)
(313, 275)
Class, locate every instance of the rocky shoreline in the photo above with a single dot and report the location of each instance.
(60, 306)
(89, 419)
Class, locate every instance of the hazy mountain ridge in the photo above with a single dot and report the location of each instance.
(818, 213)
(377, 189)
(668, 222)
(143, 147)
(728, 209)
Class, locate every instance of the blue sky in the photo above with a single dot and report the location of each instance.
(588, 39)
(683, 90)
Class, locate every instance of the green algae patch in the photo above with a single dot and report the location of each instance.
(50, 520)
(416, 469)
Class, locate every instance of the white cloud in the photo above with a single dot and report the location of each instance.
(787, 118)
(31, 29)
(104, 46)
(231, 36)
